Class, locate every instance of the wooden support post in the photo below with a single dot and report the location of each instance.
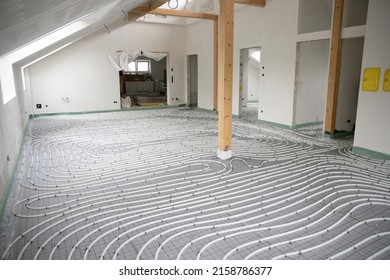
(334, 68)
(225, 78)
(216, 38)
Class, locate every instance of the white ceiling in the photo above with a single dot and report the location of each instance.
(23, 21)
(199, 6)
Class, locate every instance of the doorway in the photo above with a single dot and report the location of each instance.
(192, 80)
(350, 70)
(249, 83)
(311, 83)
(145, 83)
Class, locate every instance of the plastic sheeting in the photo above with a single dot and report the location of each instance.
(121, 60)
(154, 55)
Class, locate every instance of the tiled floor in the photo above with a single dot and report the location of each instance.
(148, 185)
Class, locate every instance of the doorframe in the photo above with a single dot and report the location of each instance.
(239, 77)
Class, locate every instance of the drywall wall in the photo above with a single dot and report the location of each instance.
(83, 73)
(13, 119)
(200, 41)
(314, 15)
(311, 81)
(275, 33)
(373, 114)
(351, 63)
(11, 136)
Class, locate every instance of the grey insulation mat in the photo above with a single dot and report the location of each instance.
(148, 185)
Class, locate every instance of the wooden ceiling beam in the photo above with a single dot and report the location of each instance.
(182, 13)
(152, 8)
(154, 4)
(257, 3)
(142, 10)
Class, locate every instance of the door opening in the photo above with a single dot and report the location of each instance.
(192, 80)
(351, 63)
(145, 83)
(249, 83)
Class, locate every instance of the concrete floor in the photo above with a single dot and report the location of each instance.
(148, 185)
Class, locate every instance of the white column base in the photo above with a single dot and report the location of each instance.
(224, 155)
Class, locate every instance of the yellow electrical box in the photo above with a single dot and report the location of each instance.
(371, 79)
(386, 83)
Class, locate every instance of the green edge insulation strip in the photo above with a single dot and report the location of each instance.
(303, 125)
(109, 111)
(275, 124)
(370, 153)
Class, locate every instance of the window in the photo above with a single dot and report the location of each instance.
(143, 66)
(132, 67)
(140, 66)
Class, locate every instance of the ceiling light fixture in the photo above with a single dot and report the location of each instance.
(173, 7)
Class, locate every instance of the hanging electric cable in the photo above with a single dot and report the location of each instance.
(126, 17)
(108, 29)
(185, 5)
(173, 7)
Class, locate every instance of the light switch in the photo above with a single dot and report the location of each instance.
(371, 79)
(386, 83)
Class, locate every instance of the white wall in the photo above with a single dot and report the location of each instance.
(312, 81)
(272, 28)
(351, 63)
(83, 73)
(200, 40)
(373, 114)
(13, 119)
(275, 33)
(11, 132)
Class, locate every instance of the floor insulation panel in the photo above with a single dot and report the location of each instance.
(148, 185)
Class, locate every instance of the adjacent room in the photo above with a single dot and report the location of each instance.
(194, 130)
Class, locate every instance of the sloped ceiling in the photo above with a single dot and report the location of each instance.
(23, 21)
